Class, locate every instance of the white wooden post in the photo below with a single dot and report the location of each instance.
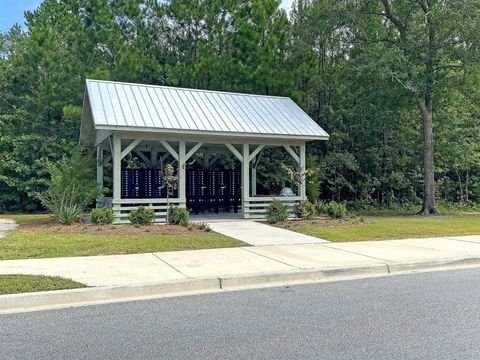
(182, 183)
(254, 181)
(154, 157)
(117, 167)
(100, 174)
(301, 168)
(245, 177)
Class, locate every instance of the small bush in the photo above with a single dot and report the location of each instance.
(277, 212)
(141, 216)
(201, 226)
(178, 216)
(304, 209)
(68, 214)
(320, 207)
(102, 216)
(204, 226)
(336, 210)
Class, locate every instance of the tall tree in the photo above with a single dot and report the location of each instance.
(430, 41)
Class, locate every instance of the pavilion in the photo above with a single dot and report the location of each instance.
(162, 123)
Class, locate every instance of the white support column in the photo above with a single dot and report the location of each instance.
(254, 181)
(100, 174)
(245, 177)
(182, 174)
(154, 157)
(117, 168)
(301, 168)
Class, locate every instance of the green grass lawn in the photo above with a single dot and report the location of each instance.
(13, 284)
(396, 227)
(20, 244)
(37, 237)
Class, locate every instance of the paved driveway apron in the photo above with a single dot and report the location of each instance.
(259, 234)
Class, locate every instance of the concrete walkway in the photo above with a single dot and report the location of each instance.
(260, 234)
(5, 225)
(214, 263)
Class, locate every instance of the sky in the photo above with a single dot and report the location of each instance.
(11, 11)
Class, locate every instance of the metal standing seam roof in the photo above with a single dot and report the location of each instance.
(137, 107)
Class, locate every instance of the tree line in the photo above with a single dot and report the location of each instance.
(396, 83)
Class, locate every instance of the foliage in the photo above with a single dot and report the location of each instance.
(102, 216)
(141, 216)
(336, 210)
(71, 189)
(312, 180)
(169, 183)
(320, 207)
(178, 216)
(304, 209)
(363, 70)
(277, 212)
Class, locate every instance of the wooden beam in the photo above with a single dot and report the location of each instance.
(107, 158)
(292, 153)
(255, 152)
(257, 160)
(169, 148)
(142, 156)
(193, 150)
(111, 144)
(129, 148)
(236, 152)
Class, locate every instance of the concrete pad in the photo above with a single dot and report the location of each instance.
(471, 238)
(457, 247)
(219, 262)
(255, 233)
(311, 256)
(97, 270)
(392, 251)
(5, 225)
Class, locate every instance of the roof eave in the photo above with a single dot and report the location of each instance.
(213, 133)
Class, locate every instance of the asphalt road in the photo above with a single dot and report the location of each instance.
(423, 316)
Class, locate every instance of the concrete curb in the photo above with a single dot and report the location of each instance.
(104, 294)
(299, 276)
(110, 294)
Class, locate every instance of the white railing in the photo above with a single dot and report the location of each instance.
(122, 207)
(256, 207)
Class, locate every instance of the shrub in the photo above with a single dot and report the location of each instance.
(141, 216)
(178, 216)
(102, 216)
(320, 207)
(204, 226)
(304, 209)
(336, 210)
(71, 189)
(277, 212)
(201, 226)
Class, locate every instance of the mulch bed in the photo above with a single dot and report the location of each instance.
(322, 221)
(52, 225)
